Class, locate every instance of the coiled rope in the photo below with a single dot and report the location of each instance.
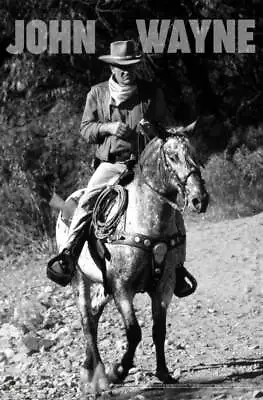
(104, 226)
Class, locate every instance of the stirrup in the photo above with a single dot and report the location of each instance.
(64, 272)
(191, 286)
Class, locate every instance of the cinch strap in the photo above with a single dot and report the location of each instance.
(147, 242)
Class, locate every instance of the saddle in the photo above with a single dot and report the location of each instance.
(109, 208)
(102, 222)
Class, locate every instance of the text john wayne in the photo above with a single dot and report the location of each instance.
(155, 36)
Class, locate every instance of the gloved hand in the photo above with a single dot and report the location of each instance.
(117, 129)
(120, 129)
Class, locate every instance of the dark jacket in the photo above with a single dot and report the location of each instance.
(147, 103)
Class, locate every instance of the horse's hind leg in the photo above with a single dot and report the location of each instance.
(93, 372)
(159, 311)
(124, 304)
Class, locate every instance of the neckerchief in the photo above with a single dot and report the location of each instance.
(120, 93)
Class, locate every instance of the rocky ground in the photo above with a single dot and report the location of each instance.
(214, 338)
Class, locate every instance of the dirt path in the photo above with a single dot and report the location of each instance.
(214, 338)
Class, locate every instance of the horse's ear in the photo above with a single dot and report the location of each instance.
(184, 130)
(189, 129)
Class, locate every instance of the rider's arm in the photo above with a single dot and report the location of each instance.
(92, 130)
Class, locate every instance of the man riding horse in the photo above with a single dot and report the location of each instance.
(111, 116)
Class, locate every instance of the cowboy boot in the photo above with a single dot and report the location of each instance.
(185, 282)
(61, 268)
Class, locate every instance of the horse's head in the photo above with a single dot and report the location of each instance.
(182, 167)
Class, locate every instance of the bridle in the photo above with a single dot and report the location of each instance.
(182, 184)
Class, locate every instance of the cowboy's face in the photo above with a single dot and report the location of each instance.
(124, 75)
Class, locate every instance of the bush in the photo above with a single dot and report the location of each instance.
(45, 156)
(235, 186)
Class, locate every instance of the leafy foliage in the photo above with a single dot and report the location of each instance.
(236, 185)
(42, 98)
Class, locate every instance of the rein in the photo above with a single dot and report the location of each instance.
(172, 174)
(173, 204)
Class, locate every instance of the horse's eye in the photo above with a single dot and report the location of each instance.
(173, 157)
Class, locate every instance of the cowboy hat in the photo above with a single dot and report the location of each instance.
(122, 53)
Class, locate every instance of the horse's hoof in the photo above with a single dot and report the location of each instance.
(100, 385)
(99, 381)
(117, 374)
(85, 375)
(85, 382)
(165, 377)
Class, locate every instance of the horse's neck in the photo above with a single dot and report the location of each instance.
(150, 213)
(151, 166)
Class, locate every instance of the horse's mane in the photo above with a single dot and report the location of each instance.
(149, 148)
(147, 155)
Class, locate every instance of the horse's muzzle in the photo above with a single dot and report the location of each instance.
(199, 203)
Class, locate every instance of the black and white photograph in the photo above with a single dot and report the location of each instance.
(131, 191)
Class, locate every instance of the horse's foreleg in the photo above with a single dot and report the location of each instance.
(93, 372)
(124, 304)
(159, 311)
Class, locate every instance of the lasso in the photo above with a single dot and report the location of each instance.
(103, 226)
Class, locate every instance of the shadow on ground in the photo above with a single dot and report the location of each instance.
(233, 379)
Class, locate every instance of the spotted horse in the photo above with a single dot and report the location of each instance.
(144, 255)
